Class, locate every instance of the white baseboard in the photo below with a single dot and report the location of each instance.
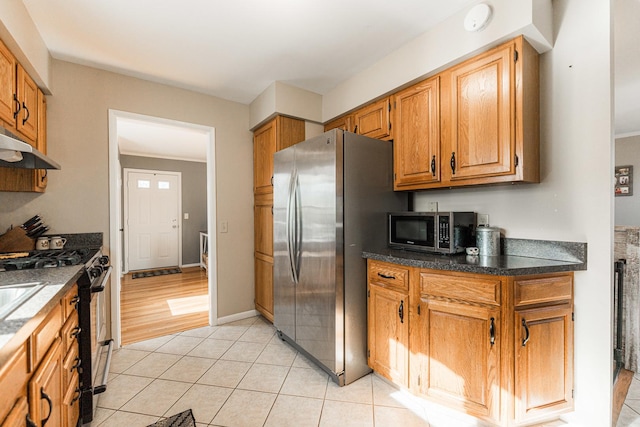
(196, 264)
(237, 316)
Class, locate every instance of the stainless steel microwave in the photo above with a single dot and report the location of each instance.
(439, 232)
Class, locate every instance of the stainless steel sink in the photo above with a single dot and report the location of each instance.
(13, 296)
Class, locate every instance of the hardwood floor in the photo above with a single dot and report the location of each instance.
(155, 306)
(620, 389)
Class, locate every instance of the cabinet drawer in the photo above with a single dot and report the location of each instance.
(45, 334)
(471, 288)
(388, 275)
(13, 378)
(71, 403)
(70, 332)
(543, 290)
(70, 302)
(70, 365)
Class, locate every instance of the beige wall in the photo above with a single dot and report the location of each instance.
(77, 199)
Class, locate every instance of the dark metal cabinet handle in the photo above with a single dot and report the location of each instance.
(26, 119)
(30, 422)
(453, 163)
(492, 331)
(384, 276)
(433, 166)
(76, 364)
(75, 301)
(526, 332)
(75, 332)
(15, 113)
(46, 397)
(76, 396)
(401, 311)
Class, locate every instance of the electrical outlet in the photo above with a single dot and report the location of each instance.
(483, 219)
(432, 206)
(224, 227)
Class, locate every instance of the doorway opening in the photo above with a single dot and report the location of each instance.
(158, 141)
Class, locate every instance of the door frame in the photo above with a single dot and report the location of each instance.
(114, 247)
(125, 215)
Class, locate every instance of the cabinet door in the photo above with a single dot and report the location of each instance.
(374, 120)
(416, 144)
(289, 131)
(344, 123)
(263, 234)
(7, 85)
(263, 224)
(543, 362)
(462, 351)
(19, 414)
(45, 389)
(40, 177)
(264, 285)
(480, 128)
(27, 120)
(264, 145)
(388, 333)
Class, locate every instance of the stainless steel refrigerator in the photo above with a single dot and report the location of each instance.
(331, 196)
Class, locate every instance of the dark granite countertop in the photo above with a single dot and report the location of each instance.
(542, 257)
(21, 323)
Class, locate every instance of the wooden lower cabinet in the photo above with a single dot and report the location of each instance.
(45, 388)
(40, 382)
(464, 345)
(544, 361)
(463, 356)
(264, 285)
(19, 414)
(388, 326)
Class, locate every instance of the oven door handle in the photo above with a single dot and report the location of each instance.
(99, 287)
(105, 373)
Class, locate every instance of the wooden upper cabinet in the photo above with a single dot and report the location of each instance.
(27, 118)
(7, 85)
(416, 144)
(264, 145)
(277, 134)
(344, 122)
(490, 127)
(40, 176)
(374, 120)
(482, 94)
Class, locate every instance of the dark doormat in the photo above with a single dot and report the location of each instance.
(153, 273)
(183, 419)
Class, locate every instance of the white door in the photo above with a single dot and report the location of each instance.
(152, 225)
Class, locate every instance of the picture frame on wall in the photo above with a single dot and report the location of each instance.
(624, 180)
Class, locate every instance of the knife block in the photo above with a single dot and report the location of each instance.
(16, 240)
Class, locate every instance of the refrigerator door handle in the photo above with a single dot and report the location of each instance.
(297, 227)
(291, 224)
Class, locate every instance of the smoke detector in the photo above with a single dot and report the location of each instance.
(477, 18)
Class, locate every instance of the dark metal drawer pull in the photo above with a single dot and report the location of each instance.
(384, 276)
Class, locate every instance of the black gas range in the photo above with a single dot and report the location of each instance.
(51, 259)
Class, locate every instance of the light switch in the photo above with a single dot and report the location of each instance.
(186, 216)
(224, 226)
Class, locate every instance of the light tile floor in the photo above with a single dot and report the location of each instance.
(630, 414)
(242, 375)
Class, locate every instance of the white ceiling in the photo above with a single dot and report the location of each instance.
(236, 49)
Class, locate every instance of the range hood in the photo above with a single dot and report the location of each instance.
(15, 153)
